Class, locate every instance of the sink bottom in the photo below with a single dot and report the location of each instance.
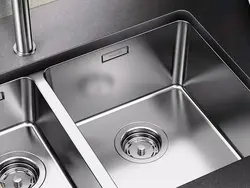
(25, 159)
(193, 147)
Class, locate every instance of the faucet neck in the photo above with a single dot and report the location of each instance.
(21, 14)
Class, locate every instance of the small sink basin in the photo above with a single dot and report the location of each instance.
(151, 106)
(28, 151)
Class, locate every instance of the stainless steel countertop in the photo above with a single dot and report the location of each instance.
(63, 25)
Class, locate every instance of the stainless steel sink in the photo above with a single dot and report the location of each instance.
(28, 131)
(158, 109)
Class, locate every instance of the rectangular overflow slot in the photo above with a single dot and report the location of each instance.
(114, 54)
(1, 98)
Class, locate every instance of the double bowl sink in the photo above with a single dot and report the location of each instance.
(158, 106)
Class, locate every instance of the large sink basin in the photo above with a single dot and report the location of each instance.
(158, 109)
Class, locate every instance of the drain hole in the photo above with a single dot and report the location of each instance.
(141, 142)
(18, 171)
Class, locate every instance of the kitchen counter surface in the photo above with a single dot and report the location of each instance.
(60, 26)
(235, 175)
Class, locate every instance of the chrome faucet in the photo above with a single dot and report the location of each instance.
(21, 13)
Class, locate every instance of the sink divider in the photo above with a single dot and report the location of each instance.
(73, 132)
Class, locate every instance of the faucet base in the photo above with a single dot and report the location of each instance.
(22, 54)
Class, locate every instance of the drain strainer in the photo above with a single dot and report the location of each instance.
(141, 142)
(21, 170)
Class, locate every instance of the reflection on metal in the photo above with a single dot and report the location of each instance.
(223, 137)
(192, 143)
(141, 142)
(21, 14)
(115, 54)
(180, 53)
(1, 96)
(170, 78)
(21, 169)
(26, 159)
(77, 138)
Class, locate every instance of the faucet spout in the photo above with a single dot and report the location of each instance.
(24, 43)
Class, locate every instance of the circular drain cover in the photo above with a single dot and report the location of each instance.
(141, 142)
(19, 175)
(21, 170)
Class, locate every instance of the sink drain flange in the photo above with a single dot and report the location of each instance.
(141, 142)
(21, 170)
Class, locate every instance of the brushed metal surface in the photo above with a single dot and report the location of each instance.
(172, 78)
(24, 45)
(29, 125)
(220, 94)
(81, 22)
(79, 142)
(94, 87)
(194, 148)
